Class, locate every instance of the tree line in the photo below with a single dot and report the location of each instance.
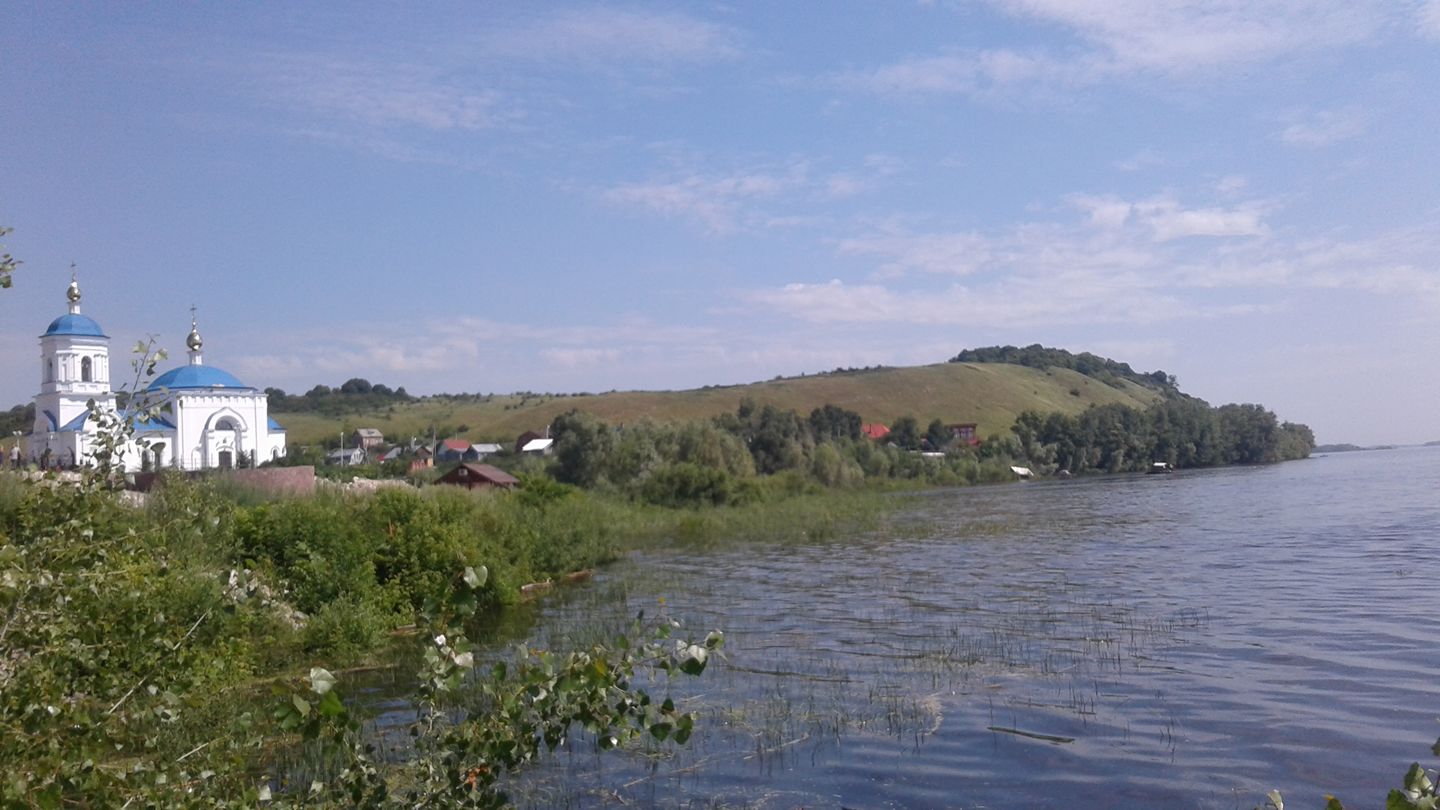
(736, 456)
(1040, 357)
(353, 395)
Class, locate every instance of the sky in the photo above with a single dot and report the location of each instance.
(574, 197)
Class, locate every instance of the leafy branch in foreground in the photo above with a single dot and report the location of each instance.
(522, 710)
(8, 263)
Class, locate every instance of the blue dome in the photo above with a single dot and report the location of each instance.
(74, 324)
(197, 377)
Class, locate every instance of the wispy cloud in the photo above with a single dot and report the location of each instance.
(383, 95)
(616, 35)
(1121, 262)
(1191, 35)
(1324, 127)
(723, 202)
(1117, 38)
(973, 73)
(717, 202)
(1428, 14)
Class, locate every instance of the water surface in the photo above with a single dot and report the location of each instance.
(1188, 640)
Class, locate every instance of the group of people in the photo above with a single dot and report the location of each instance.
(47, 461)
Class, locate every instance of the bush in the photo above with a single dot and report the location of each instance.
(346, 627)
(688, 485)
(314, 545)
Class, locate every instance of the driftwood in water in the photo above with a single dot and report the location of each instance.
(1032, 734)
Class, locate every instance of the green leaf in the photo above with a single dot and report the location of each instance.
(476, 578)
(1416, 779)
(660, 731)
(695, 659)
(301, 705)
(330, 705)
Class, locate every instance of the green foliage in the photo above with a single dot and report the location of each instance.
(20, 418)
(905, 433)
(527, 707)
(8, 263)
(831, 422)
(685, 485)
(1182, 431)
(315, 545)
(356, 395)
(1103, 369)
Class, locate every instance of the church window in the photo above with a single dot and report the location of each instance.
(85, 370)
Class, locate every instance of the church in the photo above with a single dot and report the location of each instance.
(194, 417)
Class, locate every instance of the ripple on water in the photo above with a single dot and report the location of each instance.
(1201, 638)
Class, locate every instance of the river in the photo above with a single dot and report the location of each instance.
(1182, 641)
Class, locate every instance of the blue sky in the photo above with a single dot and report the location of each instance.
(585, 197)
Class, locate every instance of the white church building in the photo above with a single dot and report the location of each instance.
(199, 417)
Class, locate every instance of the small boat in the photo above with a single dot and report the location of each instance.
(1160, 467)
(1022, 472)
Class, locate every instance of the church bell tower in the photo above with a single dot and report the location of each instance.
(74, 368)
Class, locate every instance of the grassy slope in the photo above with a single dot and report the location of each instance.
(990, 394)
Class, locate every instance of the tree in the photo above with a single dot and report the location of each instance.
(582, 448)
(831, 422)
(356, 385)
(937, 436)
(905, 433)
(8, 263)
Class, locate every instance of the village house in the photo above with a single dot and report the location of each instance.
(966, 433)
(346, 456)
(479, 476)
(539, 447)
(449, 450)
(525, 438)
(368, 438)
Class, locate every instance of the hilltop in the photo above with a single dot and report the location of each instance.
(990, 394)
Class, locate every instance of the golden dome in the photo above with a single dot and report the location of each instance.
(73, 293)
(193, 340)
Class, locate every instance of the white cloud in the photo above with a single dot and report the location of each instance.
(1231, 184)
(1429, 18)
(1324, 127)
(1188, 35)
(612, 35)
(383, 95)
(724, 202)
(975, 73)
(951, 253)
(715, 202)
(1077, 298)
(1120, 262)
(1185, 38)
(1167, 220)
(1143, 159)
(1105, 212)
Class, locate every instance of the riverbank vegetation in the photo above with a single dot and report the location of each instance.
(161, 654)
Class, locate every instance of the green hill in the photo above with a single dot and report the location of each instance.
(989, 394)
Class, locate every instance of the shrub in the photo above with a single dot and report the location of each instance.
(685, 484)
